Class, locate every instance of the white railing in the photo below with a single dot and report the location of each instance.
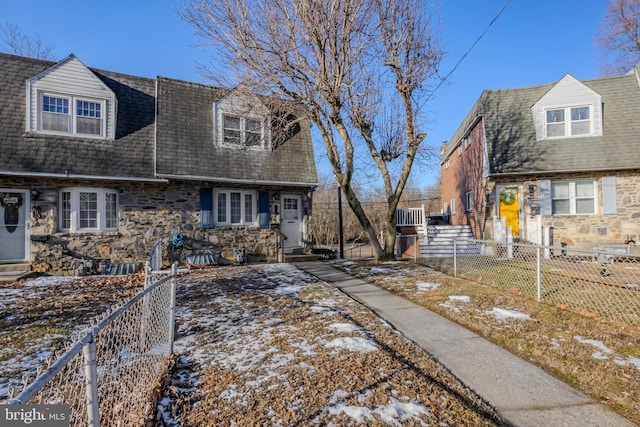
(406, 217)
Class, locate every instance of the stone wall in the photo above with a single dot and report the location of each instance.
(588, 231)
(148, 212)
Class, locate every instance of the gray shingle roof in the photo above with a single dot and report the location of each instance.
(185, 142)
(129, 155)
(511, 138)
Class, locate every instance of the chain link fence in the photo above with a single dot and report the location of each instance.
(109, 373)
(601, 282)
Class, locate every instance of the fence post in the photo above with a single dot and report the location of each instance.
(538, 274)
(509, 243)
(172, 310)
(455, 260)
(91, 382)
(415, 248)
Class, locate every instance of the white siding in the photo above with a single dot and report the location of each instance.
(568, 92)
(72, 78)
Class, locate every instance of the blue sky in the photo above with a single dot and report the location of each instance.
(533, 42)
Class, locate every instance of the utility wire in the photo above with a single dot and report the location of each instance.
(445, 78)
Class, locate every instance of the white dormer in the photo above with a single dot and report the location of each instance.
(69, 99)
(570, 109)
(242, 121)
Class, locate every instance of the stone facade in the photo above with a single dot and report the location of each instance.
(584, 231)
(148, 213)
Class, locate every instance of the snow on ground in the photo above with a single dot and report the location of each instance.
(426, 286)
(271, 345)
(502, 314)
(603, 352)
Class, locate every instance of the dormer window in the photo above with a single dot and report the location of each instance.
(569, 109)
(579, 122)
(242, 122)
(69, 99)
(242, 131)
(85, 119)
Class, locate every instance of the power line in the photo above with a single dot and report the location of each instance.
(445, 78)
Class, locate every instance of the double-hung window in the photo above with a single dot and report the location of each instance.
(88, 209)
(469, 200)
(568, 121)
(240, 131)
(573, 197)
(235, 207)
(68, 114)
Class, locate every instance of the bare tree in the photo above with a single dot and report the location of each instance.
(20, 44)
(358, 67)
(620, 36)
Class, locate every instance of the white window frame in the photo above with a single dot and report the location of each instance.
(244, 131)
(573, 197)
(453, 205)
(469, 200)
(72, 114)
(568, 122)
(70, 215)
(219, 220)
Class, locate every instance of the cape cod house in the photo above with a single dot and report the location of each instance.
(556, 163)
(101, 165)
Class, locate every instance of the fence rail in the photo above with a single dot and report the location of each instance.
(602, 282)
(107, 376)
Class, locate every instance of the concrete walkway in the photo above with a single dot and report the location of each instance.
(523, 394)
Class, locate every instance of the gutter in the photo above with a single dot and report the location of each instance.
(552, 172)
(236, 180)
(79, 176)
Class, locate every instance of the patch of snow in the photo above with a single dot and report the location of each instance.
(353, 344)
(604, 350)
(461, 298)
(634, 361)
(344, 328)
(426, 286)
(379, 270)
(502, 314)
(394, 413)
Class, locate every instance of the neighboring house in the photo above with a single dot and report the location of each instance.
(558, 160)
(102, 165)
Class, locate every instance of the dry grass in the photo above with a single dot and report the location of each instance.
(548, 341)
(283, 373)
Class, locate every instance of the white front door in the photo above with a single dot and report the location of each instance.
(291, 222)
(14, 235)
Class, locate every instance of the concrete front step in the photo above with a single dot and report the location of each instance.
(12, 272)
(293, 258)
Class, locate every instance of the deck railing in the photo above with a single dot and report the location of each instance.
(410, 216)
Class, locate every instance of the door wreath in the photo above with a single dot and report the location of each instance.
(11, 203)
(508, 196)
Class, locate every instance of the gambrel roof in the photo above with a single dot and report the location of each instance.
(512, 146)
(164, 129)
(186, 143)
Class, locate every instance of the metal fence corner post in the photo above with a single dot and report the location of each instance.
(172, 313)
(538, 273)
(455, 260)
(91, 381)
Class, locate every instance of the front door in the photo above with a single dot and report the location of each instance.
(291, 222)
(509, 207)
(13, 225)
